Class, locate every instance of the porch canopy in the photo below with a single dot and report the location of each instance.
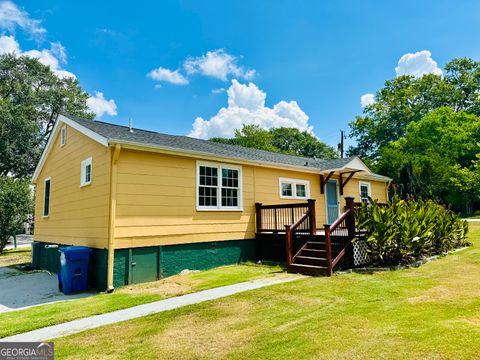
(345, 169)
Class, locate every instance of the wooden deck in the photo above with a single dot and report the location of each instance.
(288, 233)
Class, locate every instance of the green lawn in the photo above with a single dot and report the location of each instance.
(431, 312)
(15, 257)
(45, 315)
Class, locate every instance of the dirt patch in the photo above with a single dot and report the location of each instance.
(174, 286)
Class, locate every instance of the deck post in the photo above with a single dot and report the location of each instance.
(328, 249)
(312, 217)
(351, 216)
(258, 211)
(288, 244)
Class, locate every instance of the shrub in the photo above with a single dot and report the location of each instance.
(408, 230)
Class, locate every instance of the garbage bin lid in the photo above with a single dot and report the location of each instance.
(74, 249)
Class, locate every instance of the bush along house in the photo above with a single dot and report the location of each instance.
(150, 205)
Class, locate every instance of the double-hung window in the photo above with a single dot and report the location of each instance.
(365, 191)
(46, 196)
(86, 172)
(294, 189)
(219, 186)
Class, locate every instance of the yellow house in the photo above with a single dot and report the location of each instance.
(151, 204)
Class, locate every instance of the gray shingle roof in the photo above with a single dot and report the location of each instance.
(120, 133)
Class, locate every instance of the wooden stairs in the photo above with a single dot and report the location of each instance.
(311, 259)
(318, 253)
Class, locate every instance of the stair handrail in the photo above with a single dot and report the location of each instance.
(289, 229)
(349, 218)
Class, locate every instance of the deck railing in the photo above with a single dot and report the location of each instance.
(274, 218)
(343, 228)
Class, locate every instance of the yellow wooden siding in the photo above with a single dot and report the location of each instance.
(78, 215)
(156, 201)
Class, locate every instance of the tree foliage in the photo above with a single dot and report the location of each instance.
(407, 99)
(437, 158)
(31, 97)
(15, 205)
(285, 140)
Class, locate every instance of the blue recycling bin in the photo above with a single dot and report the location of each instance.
(73, 275)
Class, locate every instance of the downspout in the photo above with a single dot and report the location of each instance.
(112, 215)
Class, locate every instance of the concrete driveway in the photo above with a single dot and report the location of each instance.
(21, 290)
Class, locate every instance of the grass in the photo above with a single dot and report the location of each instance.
(431, 312)
(51, 314)
(15, 257)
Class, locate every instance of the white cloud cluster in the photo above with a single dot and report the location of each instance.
(367, 99)
(12, 17)
(167, 75)
(246, 105)
(99, 105)
(217, 64)
(417, 64)
(52, 57)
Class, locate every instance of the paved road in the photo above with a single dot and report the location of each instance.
(23, 241)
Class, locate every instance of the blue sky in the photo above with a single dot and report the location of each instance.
(295, 63)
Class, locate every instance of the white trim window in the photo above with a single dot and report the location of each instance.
(47, 190)
(294, 189)
(86, 172)
(365, 191)
(219, 186)
(63, 135)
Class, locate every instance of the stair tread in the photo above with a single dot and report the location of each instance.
(308, 266)
(309, 257)
(316, 250)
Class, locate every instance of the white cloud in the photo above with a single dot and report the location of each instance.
(218, 64)
(367, 99)
(8, 44)
(246, 105)
(12, 17)
(48, 57)
(99, 105)
(417, 64)
(167, 75)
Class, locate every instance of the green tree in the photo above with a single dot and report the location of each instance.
(302, 143)
(284, 140)
(15, 205)
(407, 99)
(437, 158)
(31, 97)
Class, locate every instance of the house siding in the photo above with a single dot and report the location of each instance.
(78, 215)
(156, 201)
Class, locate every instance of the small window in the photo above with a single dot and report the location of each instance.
(294, 189)
(46, 197)
(86, 172)
(218, 187)
(63, 135)
(365, 192)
